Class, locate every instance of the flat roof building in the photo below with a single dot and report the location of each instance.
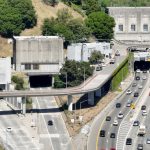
(5, 72)
(132, 23)
(38, 54)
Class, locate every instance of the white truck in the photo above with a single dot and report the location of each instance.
(142, 130)
(112, 61)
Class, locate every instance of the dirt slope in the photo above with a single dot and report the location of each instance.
(44, 11)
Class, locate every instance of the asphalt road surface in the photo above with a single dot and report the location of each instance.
(107, 142)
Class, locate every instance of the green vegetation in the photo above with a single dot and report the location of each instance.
(29, 103)
(65, 26)
(15, 16)
(120, 74)
(101, 25)
(95, 57)
(73, 73)
(19, 82)
(130, 3)
(1, 148)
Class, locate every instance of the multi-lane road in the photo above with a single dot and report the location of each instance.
(124, 124)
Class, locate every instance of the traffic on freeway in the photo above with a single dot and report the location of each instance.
(124, 106)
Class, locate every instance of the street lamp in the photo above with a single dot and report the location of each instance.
(83, 77)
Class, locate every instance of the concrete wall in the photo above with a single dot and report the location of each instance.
(127, 16)
(5, 70)
(46, 51)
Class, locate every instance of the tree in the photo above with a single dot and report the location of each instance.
(65, 26)
(95, 57)
(91, 6)
(101, 25)
(74, 72)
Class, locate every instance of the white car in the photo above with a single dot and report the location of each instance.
(9, 129)
(138, 70)
(144, 113)
(148, 141)
(103, 65)
(115, 123)
(129, 92)
(144, 77)
(120, 116)
(140, 86)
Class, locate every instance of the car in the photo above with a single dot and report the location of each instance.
(144, 78)
(137, 78)
(102, 133)
(143, 107)
(148, 141)
(128, 104)
(136, 94)
(136, 123)
(140, 86)
(120, 116)
(112, 149)
(108, 118)
(144, 113)
(112, 135)
(98, 68)
(138, 70)
(140, 147)
(117, 53)
(128, 141)
(103, 65)
(50, 122)
(115, 123)
(9, 129)
(129, 92)
(144, 71)
(118, 105)
(134, 84)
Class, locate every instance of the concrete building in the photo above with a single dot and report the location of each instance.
(5, 73)
(38, 55)
(82, 51)
(132, 23)
(142, 56)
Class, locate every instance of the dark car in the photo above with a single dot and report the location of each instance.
(98, 68)
(140, 147)
(102, 133)
(118, 105)
(50, 122)
(136, 94)
(128, 141)
(112, 135)
(143, 107)
(137, 78)
(108, 118)
(136, 123)
(134, 84)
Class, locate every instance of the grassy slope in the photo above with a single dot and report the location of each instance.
(44, 11)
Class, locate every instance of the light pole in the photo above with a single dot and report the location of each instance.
(66, 79)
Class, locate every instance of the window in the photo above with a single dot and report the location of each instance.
(36, 66)
(133, 27)
(120, 27)
(145, 27)
(27, 66)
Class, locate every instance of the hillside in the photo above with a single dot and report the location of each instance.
(44, 11)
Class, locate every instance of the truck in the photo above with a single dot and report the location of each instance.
(141, 131)
(112, 61)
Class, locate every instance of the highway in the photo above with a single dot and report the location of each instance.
(52, 137)
(107, 142)
(144, 120)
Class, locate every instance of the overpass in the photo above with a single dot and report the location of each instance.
(92, 85)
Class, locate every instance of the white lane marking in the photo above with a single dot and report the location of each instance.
(45, 124)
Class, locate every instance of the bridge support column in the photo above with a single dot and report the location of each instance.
(98, 93)
(91, 98)
(23, 105)
(70, 103)
(53, 80)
